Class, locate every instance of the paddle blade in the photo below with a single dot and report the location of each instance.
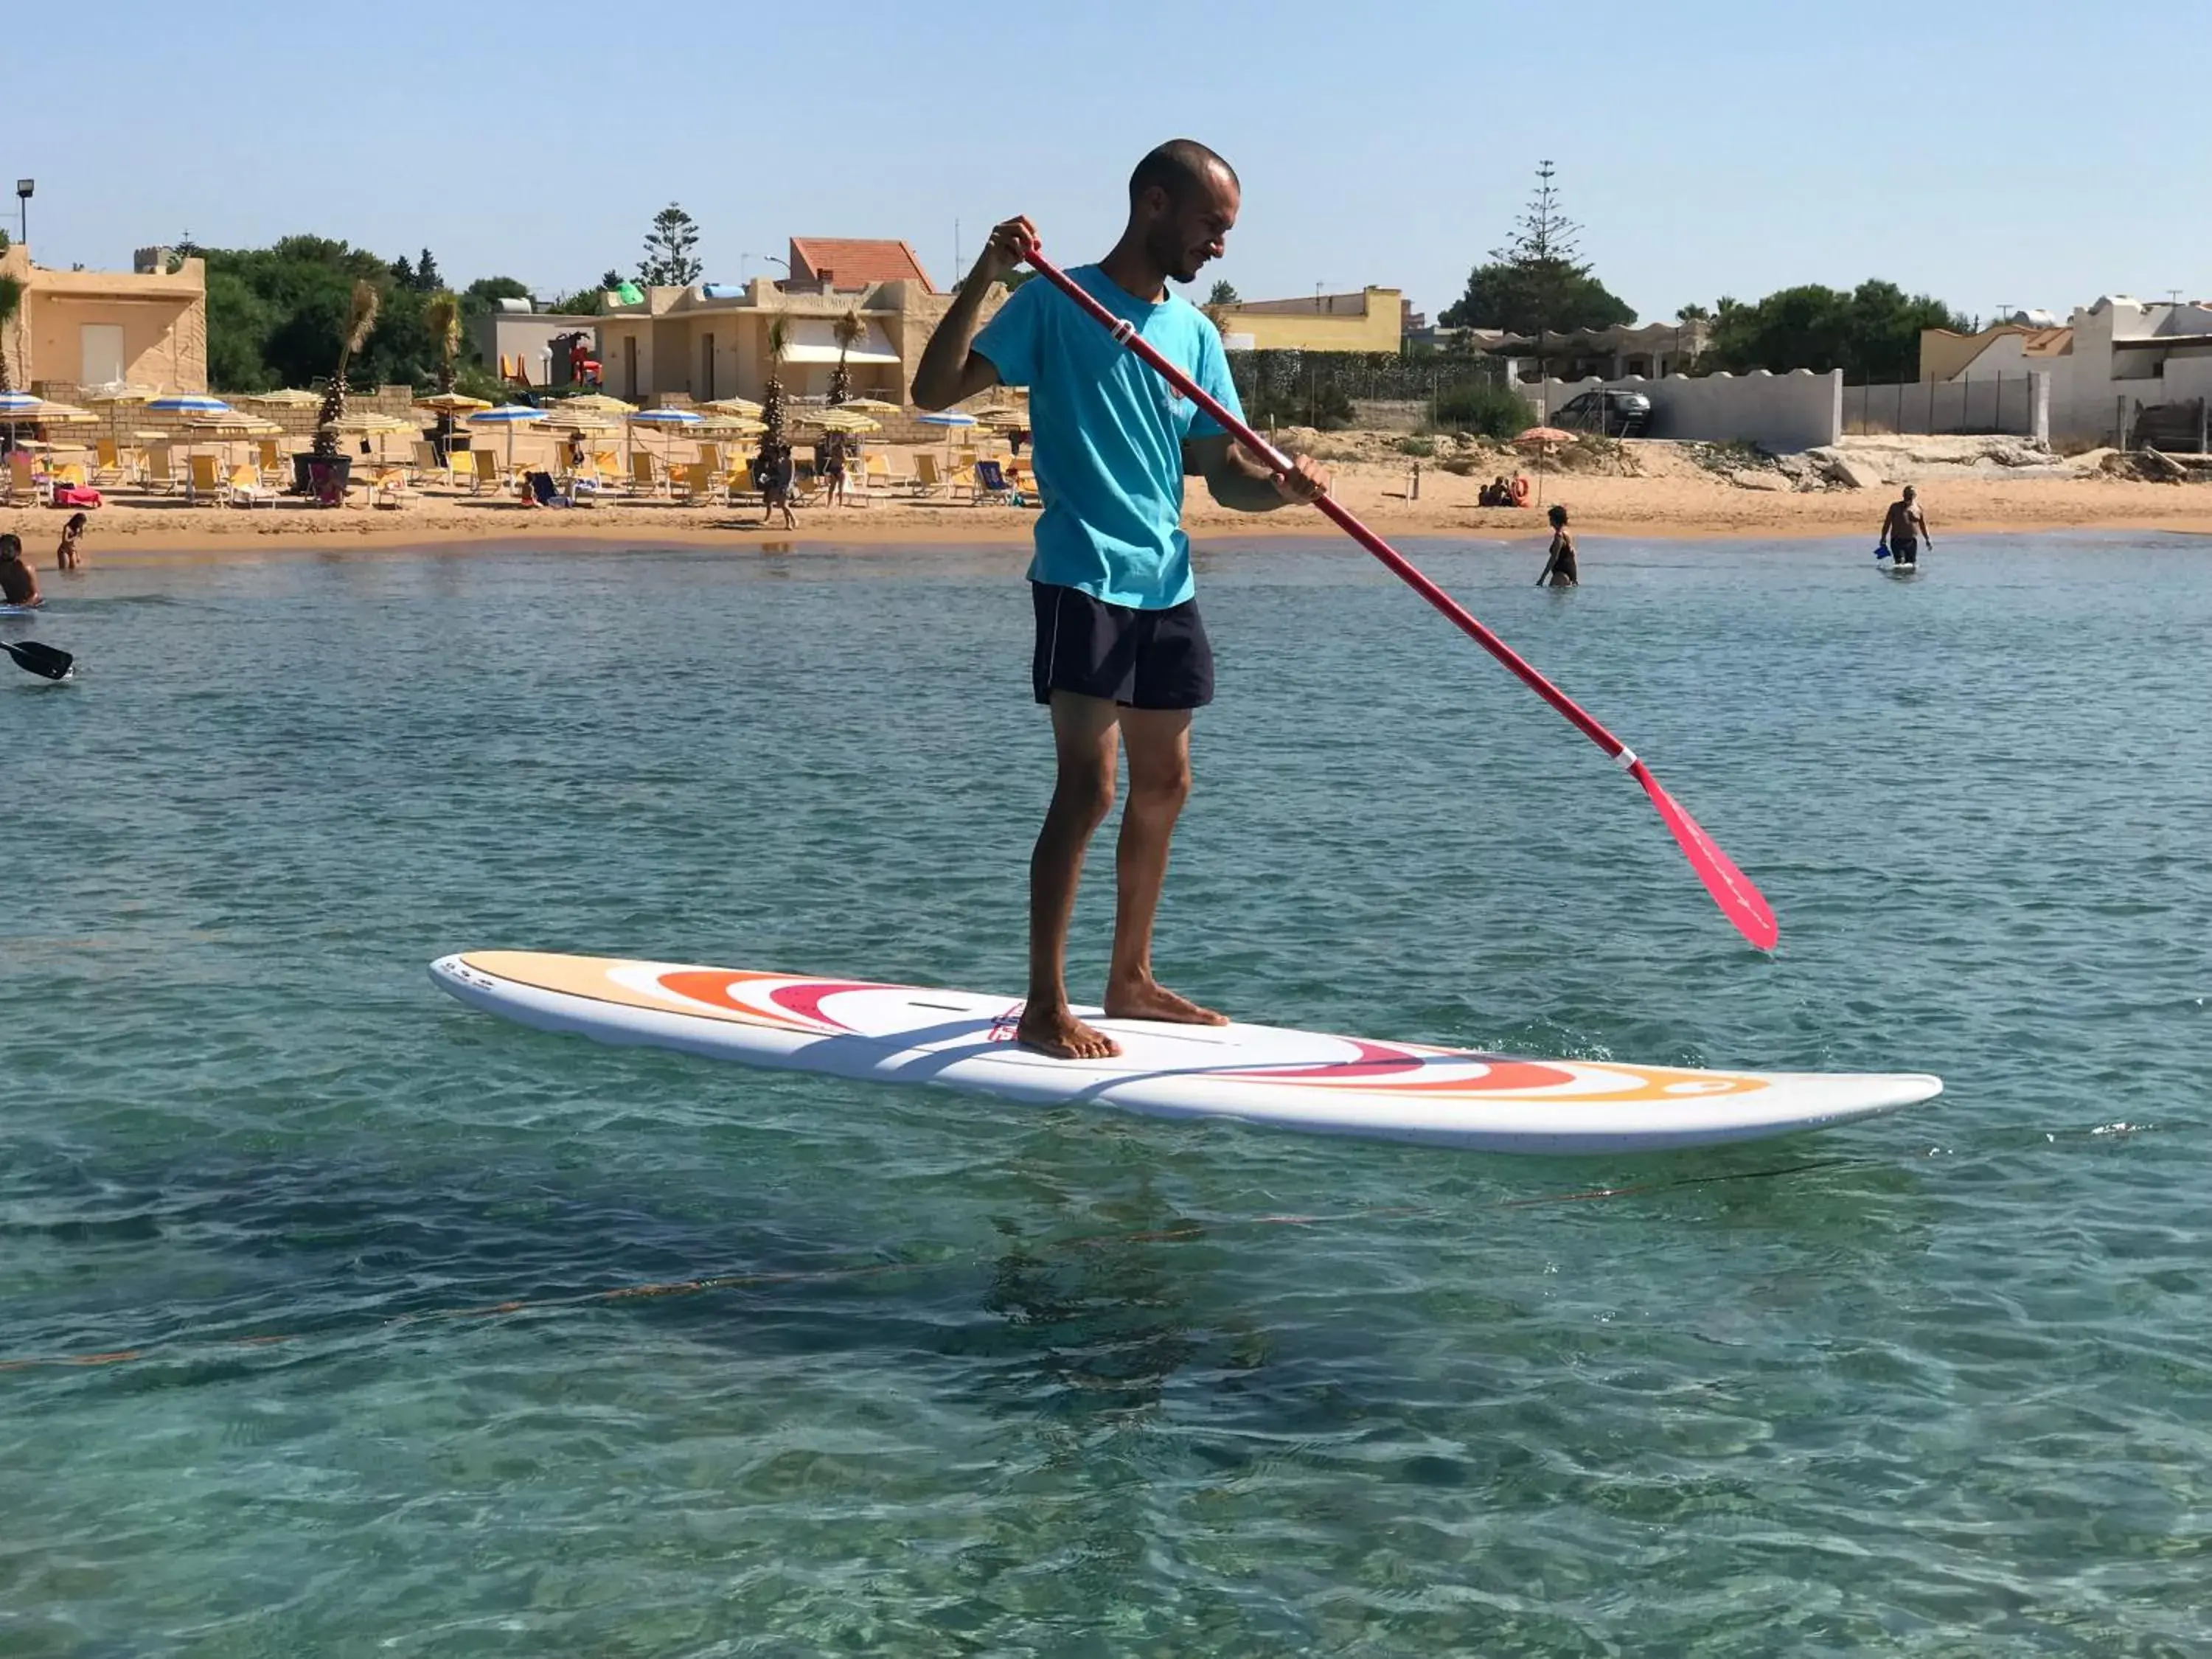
(39, 659)
(1740, 902)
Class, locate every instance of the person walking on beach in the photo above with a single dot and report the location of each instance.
(1559, 568)
(1121, 658)
(1904, 528)
(772, 471)
(19, 583)
(68, 556)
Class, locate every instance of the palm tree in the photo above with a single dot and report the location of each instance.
(361, 317)
(442, 315)
(850, 329)
(779, 342)
(11, 301)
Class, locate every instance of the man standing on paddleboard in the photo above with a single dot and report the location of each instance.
(1122, 656)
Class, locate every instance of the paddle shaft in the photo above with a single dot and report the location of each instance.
(1739, 901)
(1399, 566)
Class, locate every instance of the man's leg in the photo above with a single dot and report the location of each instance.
(1085, 730)
(1159, 744)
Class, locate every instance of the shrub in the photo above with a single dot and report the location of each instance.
(1423, 447)
(1486, 407)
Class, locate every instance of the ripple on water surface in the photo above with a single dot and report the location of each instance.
(924, 1373)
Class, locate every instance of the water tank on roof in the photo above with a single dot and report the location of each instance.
(721, 291)
(2035, 319)
(522, 305)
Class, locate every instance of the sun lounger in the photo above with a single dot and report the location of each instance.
(484, 473)
(991, 484)
(696, 480)
(161, 476)
(737, 481)
(243, 488)
(545, 493)
(107, 462)
(25, 482)
(270, 456)
(203, 482)
(390, 488)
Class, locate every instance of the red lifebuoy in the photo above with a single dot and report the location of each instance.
(1520, 492)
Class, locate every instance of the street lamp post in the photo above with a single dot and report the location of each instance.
(24, 187)
(769, 257)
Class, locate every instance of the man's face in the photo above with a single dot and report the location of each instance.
(1183, 235)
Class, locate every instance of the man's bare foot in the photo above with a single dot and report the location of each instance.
(1063, 1036)
(1147, 999)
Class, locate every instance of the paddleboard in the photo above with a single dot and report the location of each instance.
(1905, 570)
(1288, 1079)
(22, 610)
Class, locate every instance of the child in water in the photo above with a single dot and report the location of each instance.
(1559, 569)
(67, 556)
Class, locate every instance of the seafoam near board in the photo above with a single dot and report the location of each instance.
(1258, 1073)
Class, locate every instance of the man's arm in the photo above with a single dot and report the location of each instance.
(950, 370)
(1243, 483)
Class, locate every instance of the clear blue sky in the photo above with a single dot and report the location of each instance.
(2024, 154)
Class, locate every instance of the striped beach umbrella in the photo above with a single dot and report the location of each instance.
(188, 403)
(509, 415)
(667, 421)
(951, 420)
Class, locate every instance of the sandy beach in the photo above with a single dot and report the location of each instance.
(1673, 493)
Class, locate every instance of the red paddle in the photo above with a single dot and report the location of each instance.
(1738, 900)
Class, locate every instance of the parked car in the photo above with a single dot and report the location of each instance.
(1608, 413)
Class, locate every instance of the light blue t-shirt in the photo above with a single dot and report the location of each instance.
(1109, 433)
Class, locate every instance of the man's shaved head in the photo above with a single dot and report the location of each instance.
(1180, 167)
(1182, 202)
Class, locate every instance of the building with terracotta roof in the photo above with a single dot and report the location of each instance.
(710, 341)
(851, 262)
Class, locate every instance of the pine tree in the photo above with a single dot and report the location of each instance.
(670, 259)
(427, 279)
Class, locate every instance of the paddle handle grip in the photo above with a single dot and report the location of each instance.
(1125, 331)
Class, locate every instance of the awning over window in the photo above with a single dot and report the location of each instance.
(814, 340)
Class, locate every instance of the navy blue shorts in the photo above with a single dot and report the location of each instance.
(1137, 659)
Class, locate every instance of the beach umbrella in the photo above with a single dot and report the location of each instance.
(1542, 440)
(744, 408)
(869, 406)
(668, 421)
(288, 398)
(370, 424)
(595, 403)
(446, 405)
(188, 403)
(509, 415)
(116, 396)
(950, 419)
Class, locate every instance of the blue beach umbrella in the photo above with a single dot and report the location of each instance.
(509, 415)
(188, 403)
(948, 419)
(19, 406)
(668, 420)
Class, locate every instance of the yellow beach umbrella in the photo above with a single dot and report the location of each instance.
(593, 403)
(744, 407)
(289, 398)
(870, 406)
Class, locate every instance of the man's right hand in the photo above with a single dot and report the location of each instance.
(1010, 241)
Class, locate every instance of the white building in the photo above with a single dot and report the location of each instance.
(2113, 360)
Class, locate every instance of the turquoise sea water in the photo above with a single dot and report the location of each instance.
(972, 1377)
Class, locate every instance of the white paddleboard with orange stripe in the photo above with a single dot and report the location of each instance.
(1258, 1073)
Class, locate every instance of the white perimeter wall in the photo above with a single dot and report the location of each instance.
(1781, 413)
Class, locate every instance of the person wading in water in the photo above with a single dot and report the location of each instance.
(1904, 528)
(1121, 658)
(1559, 568)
